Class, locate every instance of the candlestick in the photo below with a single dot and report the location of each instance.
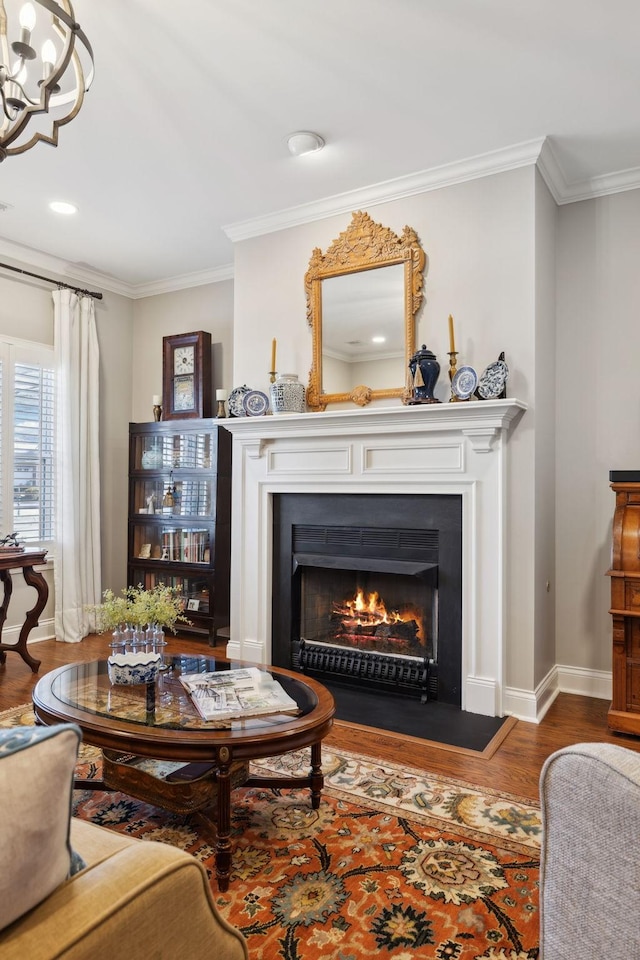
(452, 372)
(273, 355)
(452, 342)
(157, 407)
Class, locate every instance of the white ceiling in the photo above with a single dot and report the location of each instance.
(184, 129)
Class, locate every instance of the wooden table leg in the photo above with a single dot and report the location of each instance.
(7, 583)
(35, 579)
(223, 843)
(316, 776)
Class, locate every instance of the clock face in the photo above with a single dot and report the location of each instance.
(183, 393)
(184, 359)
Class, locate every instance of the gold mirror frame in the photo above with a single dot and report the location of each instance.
(364, 245)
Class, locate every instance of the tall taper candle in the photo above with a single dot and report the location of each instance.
(273, 356)
(452, 342)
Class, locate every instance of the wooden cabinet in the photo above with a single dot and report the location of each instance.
(624, 713)
(180, 515)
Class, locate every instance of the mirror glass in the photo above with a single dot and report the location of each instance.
(363, 330)
(363, 295)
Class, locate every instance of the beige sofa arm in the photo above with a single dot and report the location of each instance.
(146, 901)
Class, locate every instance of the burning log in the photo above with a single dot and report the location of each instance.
(399, 629)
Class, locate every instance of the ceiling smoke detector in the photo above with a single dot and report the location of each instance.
(304, 141)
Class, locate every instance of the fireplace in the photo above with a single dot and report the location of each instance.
(456, 450)
(367, 591)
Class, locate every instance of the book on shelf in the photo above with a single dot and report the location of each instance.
(187, 546)
(236, 694)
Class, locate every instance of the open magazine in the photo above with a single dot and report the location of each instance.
(233, 694)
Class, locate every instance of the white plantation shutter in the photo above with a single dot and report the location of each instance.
(34, 452)
(27, 450)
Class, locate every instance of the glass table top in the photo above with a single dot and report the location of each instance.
(164, 703)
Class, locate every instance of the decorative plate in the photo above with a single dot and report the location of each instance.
(464, 382)
(492, 381)
(255, 403)
(234, 403)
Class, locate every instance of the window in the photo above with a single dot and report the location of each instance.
(27, 451)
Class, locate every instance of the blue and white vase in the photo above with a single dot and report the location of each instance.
(287, 394)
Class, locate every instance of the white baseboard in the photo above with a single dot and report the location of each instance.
(480, 696)
(587, 683)
(44, 631)
(250, 651)
(532, 705)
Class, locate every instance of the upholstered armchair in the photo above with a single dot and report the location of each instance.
(71, 890)
(590, 878)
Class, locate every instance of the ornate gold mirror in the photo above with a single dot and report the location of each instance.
(363, 295)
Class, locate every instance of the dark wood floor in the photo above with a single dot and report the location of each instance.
(514, 766)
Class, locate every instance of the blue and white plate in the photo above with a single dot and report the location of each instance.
(255, 403)
(235, 401)
(464, 382)
(492, 381)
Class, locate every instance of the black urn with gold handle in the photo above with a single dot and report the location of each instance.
(425, 371)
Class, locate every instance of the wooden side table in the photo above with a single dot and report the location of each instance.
(26, 562)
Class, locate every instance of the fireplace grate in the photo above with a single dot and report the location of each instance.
(373, 669)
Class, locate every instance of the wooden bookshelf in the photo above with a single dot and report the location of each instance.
(180, 516)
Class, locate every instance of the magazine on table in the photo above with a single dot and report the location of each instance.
(233, 694)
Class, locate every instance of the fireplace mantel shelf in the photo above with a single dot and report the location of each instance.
(479, 420)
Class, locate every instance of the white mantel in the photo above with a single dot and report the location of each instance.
(449, 448)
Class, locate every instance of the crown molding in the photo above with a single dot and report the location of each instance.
(71, 273)
(602, 186)
(539, 152)
(473, 168)
(551, 171)
(171, 284)
(564, 192)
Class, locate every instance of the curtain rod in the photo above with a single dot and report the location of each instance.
(58, 283)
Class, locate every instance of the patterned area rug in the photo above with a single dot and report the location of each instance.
(395, 861)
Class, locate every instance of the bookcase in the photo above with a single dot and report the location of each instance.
(180, 516)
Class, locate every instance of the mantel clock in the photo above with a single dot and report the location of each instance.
(186, 376)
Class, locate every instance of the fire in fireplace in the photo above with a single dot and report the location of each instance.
(365, 623)
(349, 608)
(368, 625)
(367, 590)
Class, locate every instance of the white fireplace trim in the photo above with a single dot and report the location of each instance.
(454, 448)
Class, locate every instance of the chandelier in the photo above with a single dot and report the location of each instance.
(40, 93)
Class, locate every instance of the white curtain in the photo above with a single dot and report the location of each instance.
(77, 573)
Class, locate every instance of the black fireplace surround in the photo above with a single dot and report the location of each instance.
(412, 535)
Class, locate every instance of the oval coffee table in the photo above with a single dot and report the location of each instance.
(160, 721)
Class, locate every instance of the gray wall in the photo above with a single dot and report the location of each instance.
(598, 410)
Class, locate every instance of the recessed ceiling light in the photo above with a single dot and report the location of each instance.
(378, 339)
(304, 141)
(61, 206)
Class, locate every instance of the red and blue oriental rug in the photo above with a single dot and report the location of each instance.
(395, 862)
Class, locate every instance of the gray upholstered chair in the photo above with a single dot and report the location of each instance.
(590, 878)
